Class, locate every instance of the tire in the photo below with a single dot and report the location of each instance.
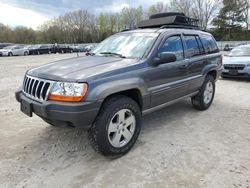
(26, 53)
(203, 100)
(109, 128)
(10, 54)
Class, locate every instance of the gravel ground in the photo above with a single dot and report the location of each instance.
(178, 146)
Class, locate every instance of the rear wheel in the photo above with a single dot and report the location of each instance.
(204, 99)
(10, 54)
(26, 53)
(117, 126)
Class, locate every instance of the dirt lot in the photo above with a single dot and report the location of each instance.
(178, 146)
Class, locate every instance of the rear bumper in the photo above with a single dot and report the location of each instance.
(63, 113)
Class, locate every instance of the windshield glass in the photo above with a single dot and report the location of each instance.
(240, 51)
(129, 45)
(8, 47)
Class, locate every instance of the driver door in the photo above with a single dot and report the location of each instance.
(168, 80)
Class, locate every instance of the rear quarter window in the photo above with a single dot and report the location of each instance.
(209, 44)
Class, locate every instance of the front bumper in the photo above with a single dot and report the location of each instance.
(3, 53)
(245, 73)
(63, 113)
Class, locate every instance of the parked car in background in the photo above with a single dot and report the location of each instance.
(14, 50)
(228, 47)
(88, 48)
(79, 47)
(3, 45)
(33, 49)
(44, 49)
(237, 63)
(62, 48)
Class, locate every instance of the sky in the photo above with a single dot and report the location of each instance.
(32, 13)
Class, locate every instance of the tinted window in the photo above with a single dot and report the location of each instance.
(209, 44)
(200, 45)
(173, 44)
(192, 46)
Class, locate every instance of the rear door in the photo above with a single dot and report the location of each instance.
(167, 81)
(196, 61)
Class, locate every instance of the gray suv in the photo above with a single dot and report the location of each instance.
(132, 73)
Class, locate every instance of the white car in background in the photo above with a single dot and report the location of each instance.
(237, 63)
(14, 50)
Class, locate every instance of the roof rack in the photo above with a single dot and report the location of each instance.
(170, 20)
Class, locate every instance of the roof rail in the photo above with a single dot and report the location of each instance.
(181, 27)
(170, 20)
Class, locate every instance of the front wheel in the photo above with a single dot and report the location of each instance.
(203, 100)
(117, 126)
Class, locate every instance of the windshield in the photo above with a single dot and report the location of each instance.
(8, 47)
(240, 51)
(127, 45)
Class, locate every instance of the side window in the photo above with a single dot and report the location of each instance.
(192, 46)
(173, 44)
(209, 44)
(200, 45)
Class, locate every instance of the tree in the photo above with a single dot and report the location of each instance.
(130, 17)
(204, 10)
(157, 8)
(230, 18)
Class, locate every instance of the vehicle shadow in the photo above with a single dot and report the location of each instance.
(62, 150)
(53, 143)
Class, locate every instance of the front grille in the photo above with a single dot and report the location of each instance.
(36, 88)
(234, 66)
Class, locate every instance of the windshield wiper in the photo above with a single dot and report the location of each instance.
(112, 53)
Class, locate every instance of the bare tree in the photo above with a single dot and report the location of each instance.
(204, 10)
(246, 13)
(157, 8)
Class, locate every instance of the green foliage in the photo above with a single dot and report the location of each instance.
(229, 23)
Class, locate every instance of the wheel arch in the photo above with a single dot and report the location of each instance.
(134, 94)
(213, 73)
(133, 88)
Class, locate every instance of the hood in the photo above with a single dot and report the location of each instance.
(236, 60)
(80, 68)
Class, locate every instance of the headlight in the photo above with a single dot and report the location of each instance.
(69, 92)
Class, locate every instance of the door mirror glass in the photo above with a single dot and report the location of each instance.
(165, 57)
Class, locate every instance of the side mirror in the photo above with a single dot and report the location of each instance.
(165, 57)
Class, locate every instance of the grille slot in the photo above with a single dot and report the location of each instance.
(234, 67)
(36, 88)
